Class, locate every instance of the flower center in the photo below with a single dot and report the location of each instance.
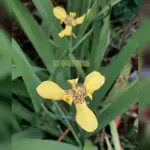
(68, 20)
(77, 94)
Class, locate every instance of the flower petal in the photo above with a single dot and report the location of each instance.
(50, 90)
(60, 13)
(66, 32)
(73, 81)
(85, 117)
(93, 82)
(68, 98)
(79, 20)
(72, 14)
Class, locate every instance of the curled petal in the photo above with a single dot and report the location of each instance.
(66, 32)
(93, 82)
(60, 13)
(85, 117)
(50, 90)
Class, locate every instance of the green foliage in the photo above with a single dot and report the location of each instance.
(126, 8)
(40, 145)
(35, 119)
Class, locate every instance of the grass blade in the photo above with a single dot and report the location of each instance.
(108, 143)
(93, 13)
(115, 135)
(40, 145)
(100, 44)
(30, 79)
(112, 71)
(122, 103)
(33, 31)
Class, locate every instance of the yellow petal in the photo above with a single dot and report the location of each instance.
(73, 81)
(66, 32)
(50, 90)
(93, 82)
(79, 20)
(90, 95)
(60, 13)
(72, 14)
(68, 98)
(85, 117)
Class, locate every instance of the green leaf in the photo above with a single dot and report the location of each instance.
(32, 133)
(138, 91)
(84, 53)
(121, 84)
(138, 2)
(33, 31)
(144, 100)
(6, 145)
(30, 79)
(77, 7)
(119, 9)
(86, 4)
(92, 14)
(5, 60)
(128, 15)
(39, 71)
(101, 44)
(112, 71)
(88, 145)
(19, 88)
(115, 135)
(5, 70)
(108, 143)
(30, 144)
(82, 40)
(21, 112)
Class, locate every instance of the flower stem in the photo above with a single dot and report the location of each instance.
(115, 135)
(68, 123)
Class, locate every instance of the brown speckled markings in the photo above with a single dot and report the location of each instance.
(77, 94)
(68, 20)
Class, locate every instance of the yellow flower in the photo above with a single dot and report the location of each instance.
(68, 19)
(84, 116)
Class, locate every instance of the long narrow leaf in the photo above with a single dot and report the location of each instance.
(30, 79)
(33, 31)
(112, 71)
(41, 145)
(124, 102)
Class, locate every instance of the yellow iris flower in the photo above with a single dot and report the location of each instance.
(84, 116)
(68, 19)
